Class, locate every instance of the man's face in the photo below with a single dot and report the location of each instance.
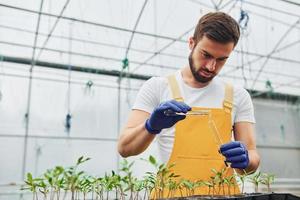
(207, 58)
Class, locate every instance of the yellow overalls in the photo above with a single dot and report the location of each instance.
(195, 150)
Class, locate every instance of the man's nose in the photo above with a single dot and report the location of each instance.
(211, 64)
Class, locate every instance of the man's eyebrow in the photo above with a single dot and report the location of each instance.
(221, 58)
(206, 52)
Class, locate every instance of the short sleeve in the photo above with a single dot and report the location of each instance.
(148, 96)
(244, 110)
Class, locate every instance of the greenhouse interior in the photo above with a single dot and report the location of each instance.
(80, 119)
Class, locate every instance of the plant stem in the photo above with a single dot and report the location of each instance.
(137, 196)
(51, 194)
(234, 189)
(58, 194)
(169, 192)
(72, 197)
(243, 185)
(148, 192)
(219, 189)
(228, 189)
(102, 195)
(36, 195)
(65, 194)
(145, 194)
(180, 192)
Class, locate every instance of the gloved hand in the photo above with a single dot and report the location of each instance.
(236, 154)
(159, 120)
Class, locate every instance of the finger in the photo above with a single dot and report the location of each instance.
(187, 107)
(234, 152)
(174, 107)
(169, 106)
(236, 159)
(182, 105)
(179, 105)
(179, 117)
(230, 145)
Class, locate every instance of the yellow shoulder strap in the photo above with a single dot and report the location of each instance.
(174, 88)
(228, 100)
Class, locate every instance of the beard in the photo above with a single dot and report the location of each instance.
(196, 73)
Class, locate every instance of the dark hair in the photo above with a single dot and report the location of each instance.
(217, 26)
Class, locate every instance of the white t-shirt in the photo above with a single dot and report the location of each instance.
(156, 90)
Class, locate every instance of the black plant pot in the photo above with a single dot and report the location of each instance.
(252, 196)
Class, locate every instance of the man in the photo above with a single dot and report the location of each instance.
(197, 143)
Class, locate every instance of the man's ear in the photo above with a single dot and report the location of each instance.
(191, 42)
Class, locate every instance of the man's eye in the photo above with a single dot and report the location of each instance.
(206, 56)
(221, 59)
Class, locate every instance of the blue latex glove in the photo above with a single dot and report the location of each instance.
(159, 120)
(236, 154)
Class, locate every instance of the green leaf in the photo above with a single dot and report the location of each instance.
(130, 165)
(28, 183)
(161, 166)
(25, 188)
(172, 165)
(80, 173)
(214, 171)
(79, 160)
(152, 160)
(82, 160)
(29, 177)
